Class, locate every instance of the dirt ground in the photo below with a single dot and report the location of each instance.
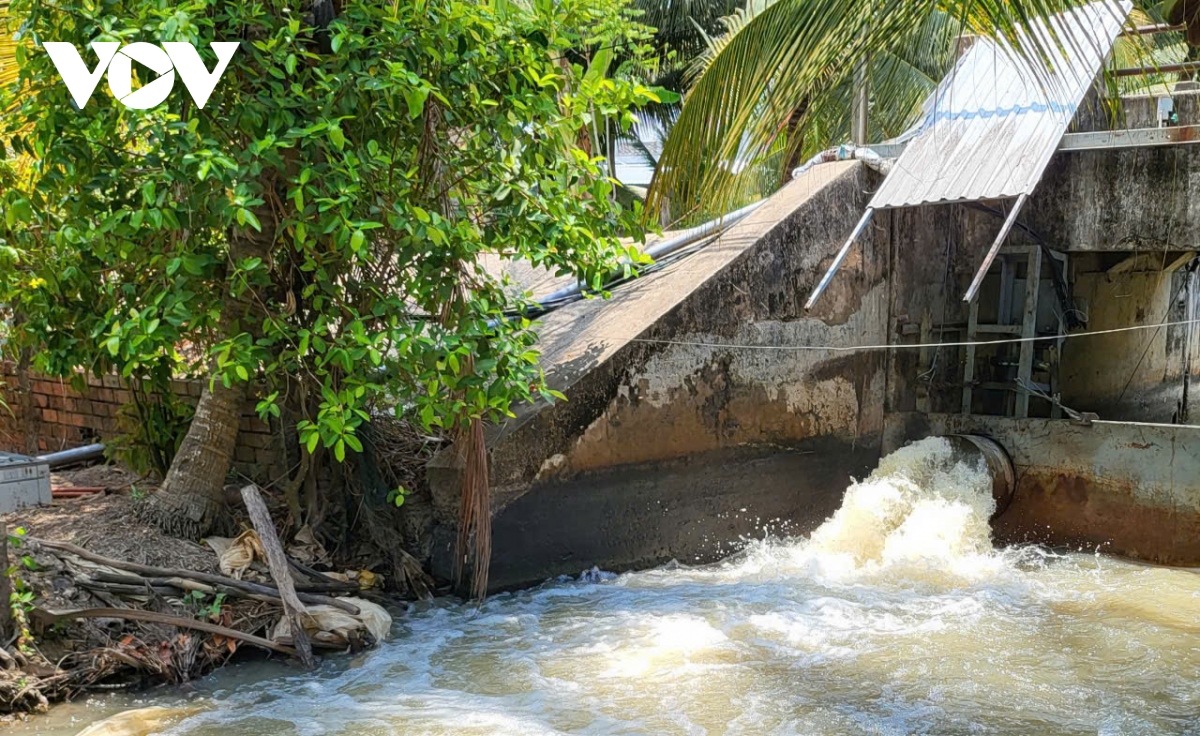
(106, 523)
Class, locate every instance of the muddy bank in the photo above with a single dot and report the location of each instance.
(103, 602)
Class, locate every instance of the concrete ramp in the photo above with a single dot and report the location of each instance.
(674, 442)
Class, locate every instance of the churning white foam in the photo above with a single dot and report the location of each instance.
(922, 502)
(922, 514)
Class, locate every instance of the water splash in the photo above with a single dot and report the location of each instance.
(922, 502)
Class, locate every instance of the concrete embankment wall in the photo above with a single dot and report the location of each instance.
(1128, 224)
(1124, 487)
(674, 442)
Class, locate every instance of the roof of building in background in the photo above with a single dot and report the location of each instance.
(992, 125)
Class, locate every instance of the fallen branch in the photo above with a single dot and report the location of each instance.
(323, 581)
(203, 577)
(293, 608)
(49, 618)
(126, 589)
(248, 590)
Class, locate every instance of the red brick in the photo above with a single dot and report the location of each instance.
(41, 401)
(256, 440)
(253, 424)
(111, 381)
(49, 415)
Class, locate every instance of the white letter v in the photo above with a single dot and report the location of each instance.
(199, 81)
(80, 82)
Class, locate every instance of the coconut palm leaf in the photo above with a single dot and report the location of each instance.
(798, 55)
(682, 26)
(8, 48)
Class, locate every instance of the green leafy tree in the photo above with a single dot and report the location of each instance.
(313, 235)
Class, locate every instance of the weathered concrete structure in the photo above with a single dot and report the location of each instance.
(704, 402)
(1125, 487)
(671, 446)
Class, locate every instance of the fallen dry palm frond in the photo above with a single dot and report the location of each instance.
(9, 72)
(8, 47)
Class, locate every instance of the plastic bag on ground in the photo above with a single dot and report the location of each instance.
(336, 627)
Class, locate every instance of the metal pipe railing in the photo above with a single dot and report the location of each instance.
(1137, 71)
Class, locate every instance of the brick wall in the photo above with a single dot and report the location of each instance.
(59, 417)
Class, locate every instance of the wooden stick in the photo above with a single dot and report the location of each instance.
(252, 591)
(204, 577)
(127, 589)
(293, 609)
(323, 580)
(133, 614)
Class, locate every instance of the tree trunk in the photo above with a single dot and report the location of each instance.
(192, 495)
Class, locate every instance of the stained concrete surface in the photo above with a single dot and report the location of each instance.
(699, 360)
(657, 376)
(1120, 487)
(693, 509)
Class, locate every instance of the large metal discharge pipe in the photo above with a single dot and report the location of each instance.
(999, 465)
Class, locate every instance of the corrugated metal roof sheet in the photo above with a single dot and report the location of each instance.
(994, 122)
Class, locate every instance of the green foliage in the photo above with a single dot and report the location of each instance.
(396, 496)
(210, 610)
(374, 162)
(20, 600)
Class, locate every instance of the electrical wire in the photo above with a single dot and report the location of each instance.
(918, 346)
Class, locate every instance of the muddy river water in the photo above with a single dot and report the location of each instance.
(897, 616)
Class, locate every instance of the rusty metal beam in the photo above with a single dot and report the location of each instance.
(1138, 71)
(1033, 279)
(1009, 221)
(837, 260)
(1153, 28)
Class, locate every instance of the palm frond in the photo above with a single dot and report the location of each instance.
(682, 25)
(732, 24)
(8, 48)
